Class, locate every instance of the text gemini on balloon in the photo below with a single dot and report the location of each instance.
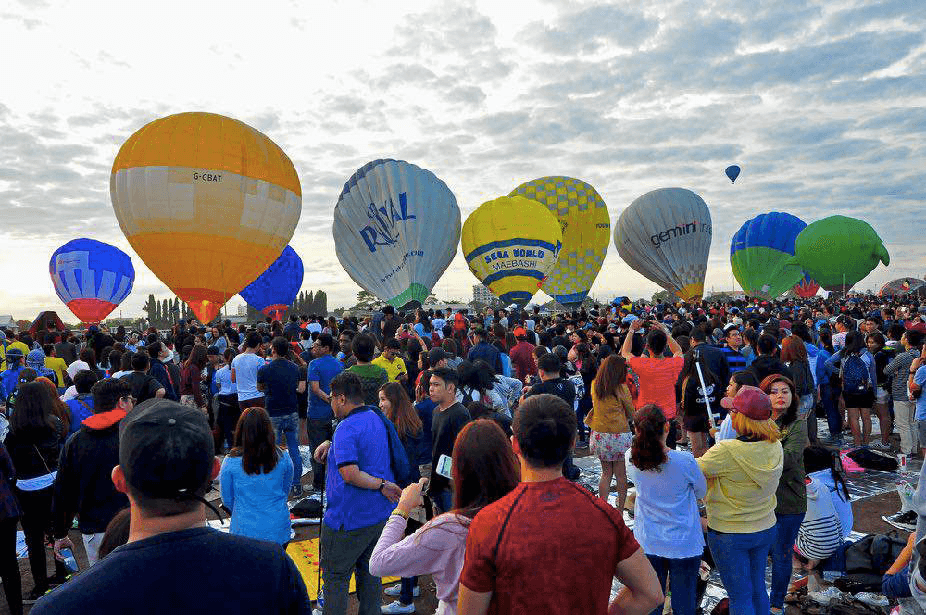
(676, 231)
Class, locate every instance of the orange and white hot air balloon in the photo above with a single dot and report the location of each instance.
(207, 202)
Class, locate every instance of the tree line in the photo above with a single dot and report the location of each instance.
(163, 313)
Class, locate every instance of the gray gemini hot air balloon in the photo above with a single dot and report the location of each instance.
(666, 235)
(396, 229)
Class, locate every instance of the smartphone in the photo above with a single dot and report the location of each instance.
(445, 466)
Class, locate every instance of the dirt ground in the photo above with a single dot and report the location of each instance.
(867, 514)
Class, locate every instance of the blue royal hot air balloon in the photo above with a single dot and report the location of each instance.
(759, 250)
(91, 277)
(276, 288)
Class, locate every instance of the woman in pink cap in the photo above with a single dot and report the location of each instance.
(742, 476)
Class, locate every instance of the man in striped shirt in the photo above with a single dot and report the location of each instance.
(731, 346)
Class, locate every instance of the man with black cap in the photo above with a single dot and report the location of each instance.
(173, 562)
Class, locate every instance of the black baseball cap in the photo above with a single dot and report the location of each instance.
(166, 450)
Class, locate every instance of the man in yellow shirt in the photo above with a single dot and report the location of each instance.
(392, 362)
(14, 344)
(56, 364)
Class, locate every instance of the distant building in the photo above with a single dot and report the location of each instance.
(243, 309)
(481, 294)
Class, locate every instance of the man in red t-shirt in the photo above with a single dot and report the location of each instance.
(522, 355)
(550, 546)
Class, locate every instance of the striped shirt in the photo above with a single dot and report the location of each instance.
(735, 360)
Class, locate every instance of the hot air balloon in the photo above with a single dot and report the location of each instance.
(91, 277)
(806, 288)
(760, 248)
(510, 245)
(396, 229)
(666, 235)
(586, 226)
(838, 252)
(276, 289)
(732, 171)
(902, 286)
(207, 202)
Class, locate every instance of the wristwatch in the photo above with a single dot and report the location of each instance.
(381, 485)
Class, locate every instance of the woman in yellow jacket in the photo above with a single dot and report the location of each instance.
(609, 420)
(742, 477)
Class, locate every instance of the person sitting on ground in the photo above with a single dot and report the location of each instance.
(166, 465)
(484, 470)
(255, 480)
(508, 570)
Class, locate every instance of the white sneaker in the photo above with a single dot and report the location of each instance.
(396, 590)
(879, 445)
(398, 607)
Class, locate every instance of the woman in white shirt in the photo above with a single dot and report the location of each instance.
(666, 520)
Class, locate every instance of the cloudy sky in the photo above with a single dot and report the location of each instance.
(823, 104)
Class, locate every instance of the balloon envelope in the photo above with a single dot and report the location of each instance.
(732, 171)
(759, 250)
(510, 245)
(207, 202)
(666, 236)
(275, 289)
(396, 229)
(838, 252)
(583, 218)
(91, 277)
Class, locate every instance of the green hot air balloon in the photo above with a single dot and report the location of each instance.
(838, 252)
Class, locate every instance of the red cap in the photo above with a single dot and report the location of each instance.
(750, 401)
(519, 331)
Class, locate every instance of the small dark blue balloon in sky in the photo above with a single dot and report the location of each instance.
(732, 171)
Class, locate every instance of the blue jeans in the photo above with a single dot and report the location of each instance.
(786, 527)
(288, 425)
(683, 580)
(740, 560)
(831, 405)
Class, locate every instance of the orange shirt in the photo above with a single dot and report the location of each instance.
(657, 381)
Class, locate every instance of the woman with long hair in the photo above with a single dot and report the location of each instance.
(484, 470)
(398, 408)
(875, 343)
(791, 494)
(742, 476)
(34, 444)
(858, 401)
(228, 411)
(794, 355)
(697, 400)
(59, 408)
(666, 520)
(255, 480)
(609, 421)
(191, 373)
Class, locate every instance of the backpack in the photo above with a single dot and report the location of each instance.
(856, 379)
(871, 460)
(459, 323)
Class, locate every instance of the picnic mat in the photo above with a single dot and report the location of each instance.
(305, 555)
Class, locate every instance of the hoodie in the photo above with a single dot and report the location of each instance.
(84, 484)
(742, 478)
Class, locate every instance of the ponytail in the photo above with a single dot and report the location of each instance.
(646, 452)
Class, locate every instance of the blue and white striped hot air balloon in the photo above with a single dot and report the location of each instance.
(91, 277)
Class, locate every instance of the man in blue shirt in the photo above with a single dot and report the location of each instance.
(731, 347)
(361, 494)
(279, 380)
(321, 371)
(483, 350)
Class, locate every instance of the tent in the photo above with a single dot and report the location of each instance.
(46, 320)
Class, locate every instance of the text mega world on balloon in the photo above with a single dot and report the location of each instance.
(207, 202)
(586, 226)
(91, 277)
(665, 235)
(511, 245)
(396, 229)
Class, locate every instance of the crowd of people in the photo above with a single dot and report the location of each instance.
(442, 443)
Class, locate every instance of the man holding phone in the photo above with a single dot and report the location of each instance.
(449, 418)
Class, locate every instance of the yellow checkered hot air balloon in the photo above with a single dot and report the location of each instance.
(583, 218)
(510, 245)
(207, 202)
